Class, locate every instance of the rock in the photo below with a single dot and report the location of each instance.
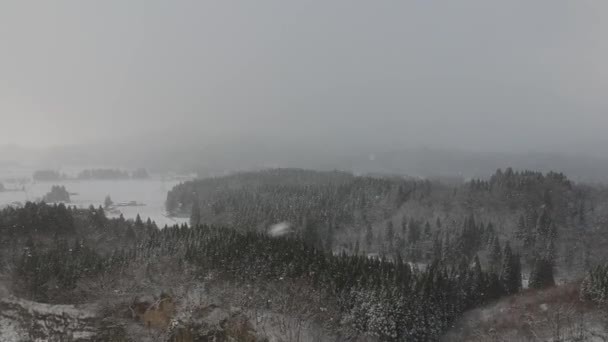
(22, 320)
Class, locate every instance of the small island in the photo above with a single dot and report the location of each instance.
(58, 193)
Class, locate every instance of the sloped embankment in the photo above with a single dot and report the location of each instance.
(555, 314)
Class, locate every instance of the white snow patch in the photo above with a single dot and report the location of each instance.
(279, 229)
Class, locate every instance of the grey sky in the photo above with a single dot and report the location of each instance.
(470, 74)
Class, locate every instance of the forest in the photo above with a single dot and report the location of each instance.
(543, 216)
(362, 257)
(56, 253)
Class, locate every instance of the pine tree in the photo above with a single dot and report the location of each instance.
(138, 222)
(107, 203)
(478, 282)
(311, 234)
(414, 231)
(195, 214)
(329, 239)
(495, 256)
(511, 271)
(427, 230)
(543, 224)
(446, 248)
(494, 287)
(390, 232)
(522, 228)
(541, 275)
(369, 235)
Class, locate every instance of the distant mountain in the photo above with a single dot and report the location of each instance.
(227, 157)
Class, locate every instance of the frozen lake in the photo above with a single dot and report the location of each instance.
(151, 192)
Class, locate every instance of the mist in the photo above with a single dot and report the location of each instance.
(315, 81)
(345, 170)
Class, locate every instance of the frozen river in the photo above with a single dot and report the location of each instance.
(151, 192)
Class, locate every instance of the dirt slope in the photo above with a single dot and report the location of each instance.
(555, 314)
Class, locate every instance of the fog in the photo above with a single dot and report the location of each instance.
(330, 78)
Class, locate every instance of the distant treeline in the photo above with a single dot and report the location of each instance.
(91, 174)
(103, 174)
(48, 176)
(323, 201)
(546, 218)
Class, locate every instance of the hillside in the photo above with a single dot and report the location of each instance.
(149, 281)
(354, 258)
(556, 314)
(534, 212)
(22, 320)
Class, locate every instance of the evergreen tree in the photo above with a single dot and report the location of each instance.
(478, 282)
(138, 222)
(369, 235)
(495, 256)
(195, 214)
(329, 239)
(541, 275)
(414, 231)
(107, 203)
(522, 229)
(311, 234)
(390, 232)
(511, 271)
(494, 288)
(446, 248)
(543, 224)
(427, 230)
(437, 248)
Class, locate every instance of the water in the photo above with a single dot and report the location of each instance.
(151, 192)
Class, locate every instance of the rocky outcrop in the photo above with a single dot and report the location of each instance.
(145, 319)
(22, 320)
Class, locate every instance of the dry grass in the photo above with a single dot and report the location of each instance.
(554, 314)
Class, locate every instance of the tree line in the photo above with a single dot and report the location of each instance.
(383, 297)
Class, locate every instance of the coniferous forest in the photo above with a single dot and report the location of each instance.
(303, 171)
(360, 257)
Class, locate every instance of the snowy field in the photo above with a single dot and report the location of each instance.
(151, 192)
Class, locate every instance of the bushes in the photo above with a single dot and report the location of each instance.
(595, 286)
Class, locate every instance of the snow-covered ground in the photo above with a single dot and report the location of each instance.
(23, 320)
(152, 192)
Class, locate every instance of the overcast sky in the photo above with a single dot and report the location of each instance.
(501, 75)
